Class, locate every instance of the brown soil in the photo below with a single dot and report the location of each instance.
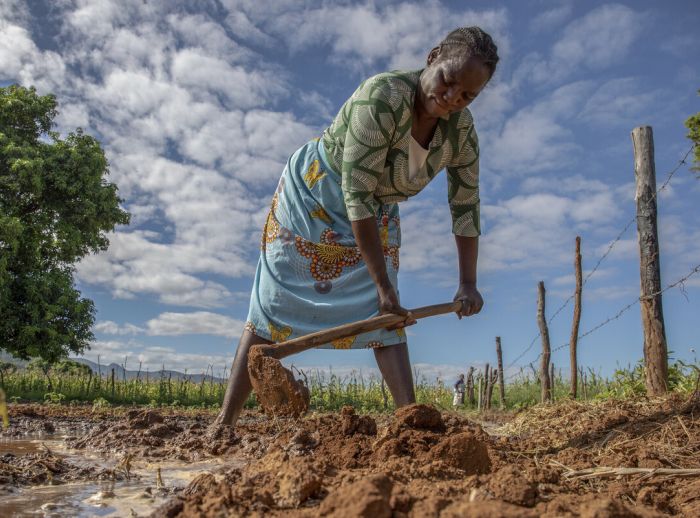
(418, 462)
(278, 393)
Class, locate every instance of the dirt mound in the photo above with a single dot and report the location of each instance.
(365, 498)
(463, 451)
(341, 463)
(509, 484)
(353, 423)
(421, 417)
(276, 390)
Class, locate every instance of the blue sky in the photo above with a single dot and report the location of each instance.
(198, 106)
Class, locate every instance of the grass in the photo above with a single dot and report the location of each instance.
(328, 392)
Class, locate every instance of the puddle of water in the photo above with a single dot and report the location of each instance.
(22, 446)
(87, 499)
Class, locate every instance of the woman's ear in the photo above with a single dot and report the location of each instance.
(434, 54)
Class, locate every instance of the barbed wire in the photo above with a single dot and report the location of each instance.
(669, 175)
(622, 311)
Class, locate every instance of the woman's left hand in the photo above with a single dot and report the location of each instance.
(470, 298)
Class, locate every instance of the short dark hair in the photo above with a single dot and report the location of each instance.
(471, 41)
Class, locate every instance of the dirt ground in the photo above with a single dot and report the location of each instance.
(418, 462)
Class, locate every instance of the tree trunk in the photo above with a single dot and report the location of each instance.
(545, 382)
(655, 349)
(501, 382)
(573, 343)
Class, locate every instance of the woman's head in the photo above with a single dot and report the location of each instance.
(458, 69)
(468, 42)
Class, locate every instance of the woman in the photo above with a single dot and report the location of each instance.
(330, 246)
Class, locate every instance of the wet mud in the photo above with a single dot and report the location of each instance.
(416, 462)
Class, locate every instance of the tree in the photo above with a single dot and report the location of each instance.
(55, 207)
(693, 124)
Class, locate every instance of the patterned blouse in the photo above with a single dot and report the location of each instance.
(368, 144)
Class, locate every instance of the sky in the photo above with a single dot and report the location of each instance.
(198, 105)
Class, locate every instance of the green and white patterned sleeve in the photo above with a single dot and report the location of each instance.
(370, 125)
(463, 187)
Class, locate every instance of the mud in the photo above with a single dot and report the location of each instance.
(417, 462)
(276, 390)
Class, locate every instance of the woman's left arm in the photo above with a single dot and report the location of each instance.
(467, 253)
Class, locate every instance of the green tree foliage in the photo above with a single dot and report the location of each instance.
(693, 124)
(55, 207)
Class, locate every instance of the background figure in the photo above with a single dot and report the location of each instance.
(459, 389)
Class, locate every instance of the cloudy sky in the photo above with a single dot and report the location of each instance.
(199, 104)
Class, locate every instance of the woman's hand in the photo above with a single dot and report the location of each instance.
(389, 303)
(470, 298)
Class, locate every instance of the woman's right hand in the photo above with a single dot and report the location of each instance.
(389, 303)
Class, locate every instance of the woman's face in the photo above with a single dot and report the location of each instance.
(449, 84)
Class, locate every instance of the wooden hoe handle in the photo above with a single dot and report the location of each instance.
(303, 343)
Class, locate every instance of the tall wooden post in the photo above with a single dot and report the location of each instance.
(573, 342)
(655, 349)
(546, 384)
(501, 383)
(485, 387)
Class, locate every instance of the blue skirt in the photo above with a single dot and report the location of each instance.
(310, 275)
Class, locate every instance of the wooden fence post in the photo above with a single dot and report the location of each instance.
(655, 349)
(112, 384)
(552, 380)
(501, 382)
(573, 342)
(478, 403)
(492, 384)
(485, 387)
(470, 386)
(546, 385)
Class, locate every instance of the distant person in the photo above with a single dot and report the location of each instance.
(459, 389)
(330, 245)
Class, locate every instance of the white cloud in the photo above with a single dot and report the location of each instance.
(109, 327)
(397, 34)
(600, 38)
(536, 137)
(21, 61)
(551, 18)
(619, 102)
(153, 358)
(199, 322)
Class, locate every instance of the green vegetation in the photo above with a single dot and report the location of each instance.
(69, 382)
(55, 207)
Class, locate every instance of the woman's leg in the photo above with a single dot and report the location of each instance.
(239, 387)
(395, 366)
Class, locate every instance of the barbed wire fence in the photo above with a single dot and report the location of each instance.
(595, 268)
